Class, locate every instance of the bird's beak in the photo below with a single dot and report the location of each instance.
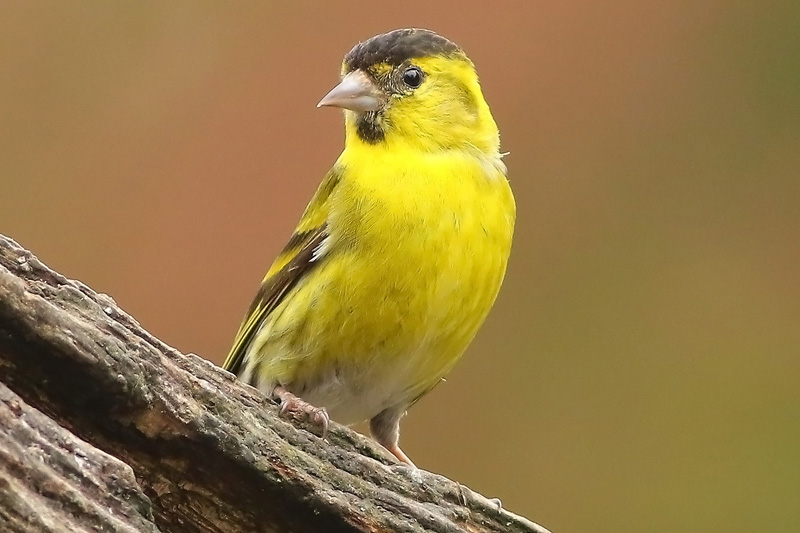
(356, 92)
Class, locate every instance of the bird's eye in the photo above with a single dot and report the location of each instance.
(412, 77)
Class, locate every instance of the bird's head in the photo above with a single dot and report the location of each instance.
(416, 89)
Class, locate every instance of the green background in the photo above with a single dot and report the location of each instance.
(641, 369)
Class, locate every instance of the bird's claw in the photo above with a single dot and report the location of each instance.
(294, 408)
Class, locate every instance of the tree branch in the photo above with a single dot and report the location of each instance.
(209, 454)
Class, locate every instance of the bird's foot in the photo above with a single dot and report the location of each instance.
(401, 456)
(299, 410)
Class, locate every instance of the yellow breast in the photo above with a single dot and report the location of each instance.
(416, 258)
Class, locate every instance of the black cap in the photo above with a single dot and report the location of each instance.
(397, 46)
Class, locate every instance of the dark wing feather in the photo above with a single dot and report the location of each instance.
(272, 292)
(295, 262)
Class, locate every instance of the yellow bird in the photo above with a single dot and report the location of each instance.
(399, 256)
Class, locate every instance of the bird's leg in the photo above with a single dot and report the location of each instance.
(385, 428)
(297, 409)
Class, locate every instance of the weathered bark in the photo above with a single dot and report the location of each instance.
(208, 453)
(50, 480)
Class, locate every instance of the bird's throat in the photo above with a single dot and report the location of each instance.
(369, 127)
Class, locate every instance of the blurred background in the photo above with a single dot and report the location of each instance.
(641, 369)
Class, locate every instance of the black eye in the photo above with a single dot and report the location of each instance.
(412, 77)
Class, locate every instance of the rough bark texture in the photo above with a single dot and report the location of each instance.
(103, 427)
(50, 480)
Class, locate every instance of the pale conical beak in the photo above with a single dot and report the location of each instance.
(356, 92)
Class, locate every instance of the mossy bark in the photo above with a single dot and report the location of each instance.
(103, 427)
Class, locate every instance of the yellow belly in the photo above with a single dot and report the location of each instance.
(415, 262)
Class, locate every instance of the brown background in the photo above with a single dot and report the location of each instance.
(641, 369)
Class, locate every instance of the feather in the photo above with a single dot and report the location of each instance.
(301, 254)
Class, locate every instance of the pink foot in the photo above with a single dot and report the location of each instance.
(299, 410)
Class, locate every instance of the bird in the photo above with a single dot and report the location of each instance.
(399, 256)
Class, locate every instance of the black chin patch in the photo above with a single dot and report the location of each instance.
(398, 46)
(369, 129)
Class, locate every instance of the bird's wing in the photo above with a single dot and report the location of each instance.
(298, 258)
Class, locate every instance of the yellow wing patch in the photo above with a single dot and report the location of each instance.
(295, 261)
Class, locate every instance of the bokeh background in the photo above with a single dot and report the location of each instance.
(641, 369)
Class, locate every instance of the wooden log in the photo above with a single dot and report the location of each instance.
(208, 453)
